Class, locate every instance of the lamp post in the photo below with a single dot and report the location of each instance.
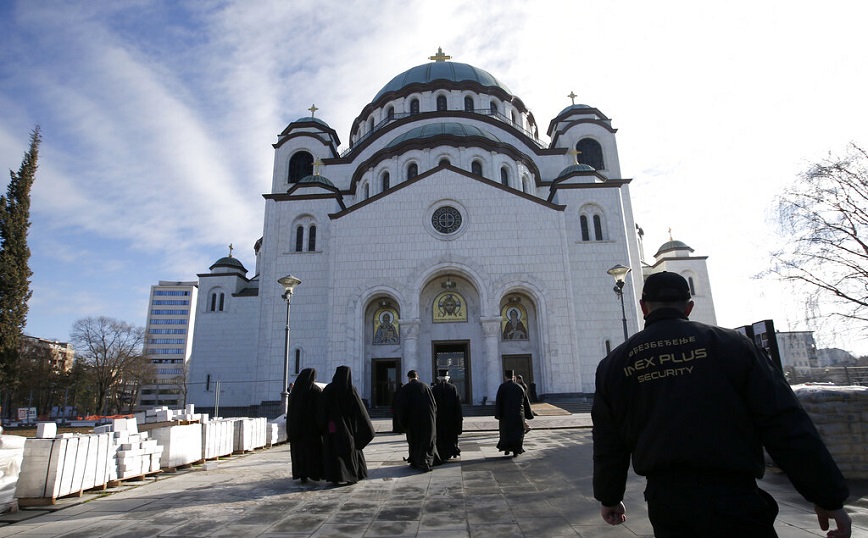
(289, 283)
(619, 273)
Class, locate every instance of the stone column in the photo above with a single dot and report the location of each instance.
(409, 346)
(493, 375)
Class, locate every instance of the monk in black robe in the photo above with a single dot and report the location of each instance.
(416, 415)
(347, 430)
(511, 408)
(450, 419)
(302, 429)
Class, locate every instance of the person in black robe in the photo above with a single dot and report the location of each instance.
(511, 408)
(450, 419)
(347, 430)
(302, 429)
(416, 416)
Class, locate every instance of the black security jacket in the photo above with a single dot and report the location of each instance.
(685, 397)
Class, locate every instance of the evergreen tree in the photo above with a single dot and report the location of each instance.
(15, 270)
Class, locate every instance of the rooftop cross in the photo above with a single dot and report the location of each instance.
(440, 57)
(231, 248)
(572, 97)
(313, 110)
(575, 153)
(317, 167)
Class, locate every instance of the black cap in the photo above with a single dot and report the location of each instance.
(664, 287)
(509, 373)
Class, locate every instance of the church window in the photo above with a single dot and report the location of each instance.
(690, 284)
(367, 191)
(390, 112)
(476, 168)
(297, 360)
(385, 181)
(583, 221)
(525, 182)
(414, 106)
(493, 108)
(598, 228)
(441, 103)
(468, 104)
(300, 165)
(446, 219)
(590, 153)
(504, 176)
(217, 301)
(412, 170)
(299, 239)
(443, 162)
(371, 124)
(311, 239)
(512, 115)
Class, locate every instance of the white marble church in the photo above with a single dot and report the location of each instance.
(448, 235)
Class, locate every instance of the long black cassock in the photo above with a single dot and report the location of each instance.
(511, 408)
(450, 419)
(302, 429)
(416, 415)
(347, 429)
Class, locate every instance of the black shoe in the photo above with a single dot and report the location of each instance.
(304, 480)
(506, 452)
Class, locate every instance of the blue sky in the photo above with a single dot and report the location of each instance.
(158, 119)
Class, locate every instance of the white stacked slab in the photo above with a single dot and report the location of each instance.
(218, 438)
(66, 465)
(250, 433)
(182, 444)
(11, 455)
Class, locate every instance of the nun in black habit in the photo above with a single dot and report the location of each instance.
(511, 408)
(347, 430)
(302, 428)
(416, 415)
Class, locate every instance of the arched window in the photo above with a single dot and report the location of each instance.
(390, 112)
(371, 124)
(690, 284)
(476, 168)
(443, 162)
(598, 228)
(525, 184)
(493, 108)
(468, 104)
(441, 103)
(412, 170)
(590, 153)
(414, 106)
(512, 114)
(367, 191)
(311, 239)
(586, 235)
(299, 239)
(385, 181)
(300, 165)
(504, 176)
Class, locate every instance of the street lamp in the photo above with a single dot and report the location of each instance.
(289, 283)
(619, 273)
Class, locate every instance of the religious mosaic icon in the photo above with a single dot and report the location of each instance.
(514, 322)
(386, 327)
(449, 307)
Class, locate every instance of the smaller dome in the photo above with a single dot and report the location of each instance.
(448, 128)
(573, 107)
(315, 179)
(671, 246)
(576, 168)
(308, 119)
(229, 262)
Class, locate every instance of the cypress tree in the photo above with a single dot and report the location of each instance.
(15, 270)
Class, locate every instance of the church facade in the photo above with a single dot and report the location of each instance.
(447, 235)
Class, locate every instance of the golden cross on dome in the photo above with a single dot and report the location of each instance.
(317, 167)
(231, 248)
(313, 110)
(440, 57)
(572, 97)
(670, 234)
(575, 153)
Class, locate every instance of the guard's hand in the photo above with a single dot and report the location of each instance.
(614, 515)
(842, 521)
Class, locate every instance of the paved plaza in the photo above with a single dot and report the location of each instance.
(545, 492)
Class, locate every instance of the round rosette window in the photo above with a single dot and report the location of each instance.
(446, 221)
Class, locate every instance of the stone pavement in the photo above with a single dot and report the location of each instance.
(545, 492)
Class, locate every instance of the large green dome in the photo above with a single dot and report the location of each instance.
(446, 128)
(449, 71)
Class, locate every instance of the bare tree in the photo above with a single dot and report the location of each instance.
(823, 220)
(113, 350)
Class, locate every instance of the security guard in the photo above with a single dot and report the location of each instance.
(694, 405)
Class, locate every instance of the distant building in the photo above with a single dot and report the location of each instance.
(61, 354)
(797, 350)
(169, 342)
(835, 357)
